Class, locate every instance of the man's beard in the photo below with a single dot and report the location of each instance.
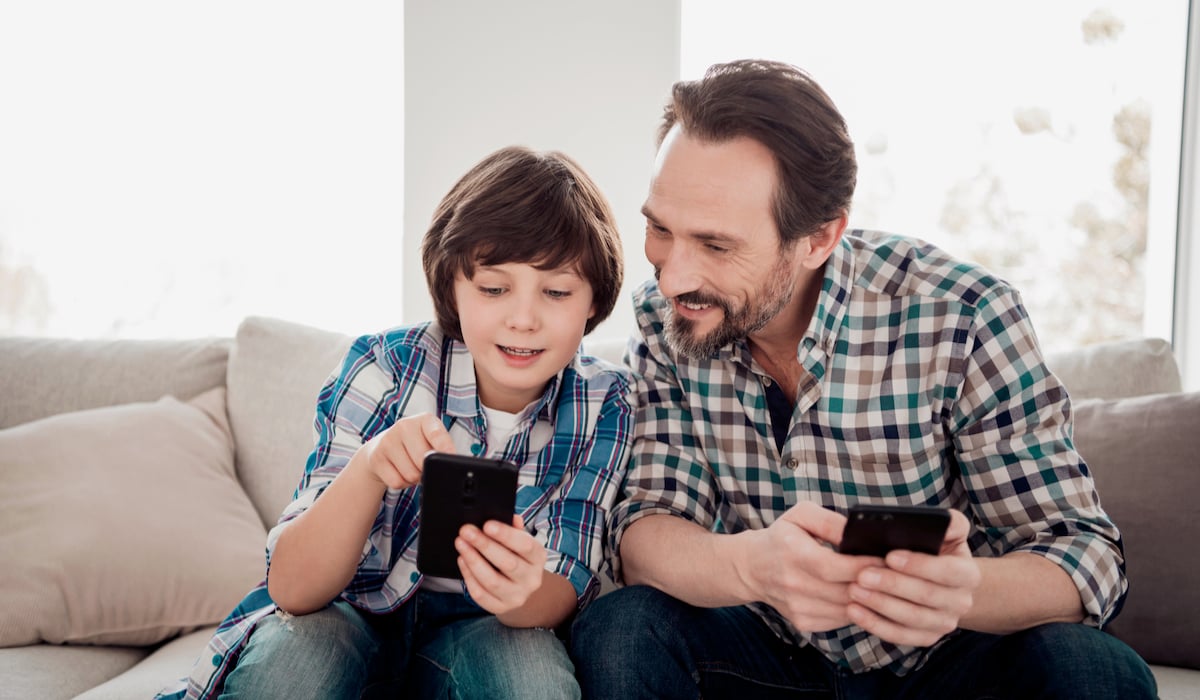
(765, 304)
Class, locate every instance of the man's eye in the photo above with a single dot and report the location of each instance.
(715, 248)
(657, 230)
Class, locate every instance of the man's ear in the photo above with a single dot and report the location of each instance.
(820, 244)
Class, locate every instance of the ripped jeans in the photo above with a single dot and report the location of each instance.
(438, 645)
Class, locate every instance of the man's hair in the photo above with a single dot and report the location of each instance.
(783, 108)
(518, 205)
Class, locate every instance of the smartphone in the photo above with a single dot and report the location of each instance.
(456, 490)
(878, 529)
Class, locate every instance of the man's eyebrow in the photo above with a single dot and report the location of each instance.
(724, 240)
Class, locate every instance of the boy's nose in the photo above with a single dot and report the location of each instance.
(522, 315)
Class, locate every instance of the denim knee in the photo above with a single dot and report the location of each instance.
(484, 658)
(628, 627)
(1079, 661)
(325, 654)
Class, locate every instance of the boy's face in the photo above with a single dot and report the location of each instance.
(522, 326)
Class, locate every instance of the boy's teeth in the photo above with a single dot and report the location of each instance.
(518, 351)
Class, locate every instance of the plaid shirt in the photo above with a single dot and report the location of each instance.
(923, 384)
(565, 489)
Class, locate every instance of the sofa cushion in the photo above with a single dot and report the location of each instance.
(54, 671)
(276, 370)
(124, 524)
(1143, 455)
(1117, 369)
(42, 377)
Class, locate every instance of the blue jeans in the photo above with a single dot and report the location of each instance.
(438, 645)
(637, 642)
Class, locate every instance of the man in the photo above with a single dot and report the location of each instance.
(787, 369)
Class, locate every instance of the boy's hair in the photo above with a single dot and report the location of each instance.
(783, 108)
(518, 205)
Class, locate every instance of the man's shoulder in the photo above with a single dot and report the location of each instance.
(897, 265)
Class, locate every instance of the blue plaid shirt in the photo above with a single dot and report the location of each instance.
(923, 383)
(565, 489)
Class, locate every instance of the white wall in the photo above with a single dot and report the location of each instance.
(586, 78)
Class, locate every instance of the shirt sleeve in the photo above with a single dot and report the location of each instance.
(574, 522)
(355, 403)
(1029, 488)
(666, 471)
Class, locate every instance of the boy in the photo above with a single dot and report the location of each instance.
(522, 260)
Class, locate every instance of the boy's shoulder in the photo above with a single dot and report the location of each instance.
(423, 337)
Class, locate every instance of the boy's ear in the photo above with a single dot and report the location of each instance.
(820, 244)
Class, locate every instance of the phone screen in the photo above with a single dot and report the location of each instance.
(878, 529)
(457, 490)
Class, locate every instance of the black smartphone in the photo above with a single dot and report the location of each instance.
(456, 490)
(878, 529)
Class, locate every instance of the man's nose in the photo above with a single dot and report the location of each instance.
(675, 268)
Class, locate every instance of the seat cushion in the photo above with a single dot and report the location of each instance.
(55, 672)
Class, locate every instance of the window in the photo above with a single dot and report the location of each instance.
(1039, 139)
(168, 168)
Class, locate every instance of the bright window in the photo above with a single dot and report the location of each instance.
(1039, 139)
(167, 168)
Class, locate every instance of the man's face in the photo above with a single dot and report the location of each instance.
(712, 239)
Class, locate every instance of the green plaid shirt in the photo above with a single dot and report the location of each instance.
(923, 383)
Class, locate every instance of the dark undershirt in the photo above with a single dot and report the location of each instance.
(780, 409)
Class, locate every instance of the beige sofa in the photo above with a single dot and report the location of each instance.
(131, 523)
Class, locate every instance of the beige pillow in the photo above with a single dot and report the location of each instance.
(124, 524)
(1143, 454)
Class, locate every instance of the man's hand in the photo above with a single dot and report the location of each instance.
(790, 567)
(502, 565)
(396, 456)
(916, 599)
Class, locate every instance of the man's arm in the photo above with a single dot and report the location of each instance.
(786, 565)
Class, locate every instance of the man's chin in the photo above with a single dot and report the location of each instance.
(682, 337)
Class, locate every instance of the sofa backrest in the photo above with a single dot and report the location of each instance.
(41, 377)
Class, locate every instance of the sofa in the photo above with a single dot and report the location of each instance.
(140, 478)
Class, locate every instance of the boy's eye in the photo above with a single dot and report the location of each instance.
(491, 291)
(557, 293)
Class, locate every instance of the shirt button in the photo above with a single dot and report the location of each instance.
(476, 449)
(792, 463)
(766, 381)
(216, 660)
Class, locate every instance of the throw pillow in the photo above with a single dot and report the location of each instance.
(1143, 456)
(123, 524)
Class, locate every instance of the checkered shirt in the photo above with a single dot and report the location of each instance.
(923, 383)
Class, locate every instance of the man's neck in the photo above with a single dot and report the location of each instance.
(774, 345)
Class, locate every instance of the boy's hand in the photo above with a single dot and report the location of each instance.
(396, 456)
(502, 565)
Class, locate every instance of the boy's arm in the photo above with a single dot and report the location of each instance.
(549, 606)
(317, 555)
